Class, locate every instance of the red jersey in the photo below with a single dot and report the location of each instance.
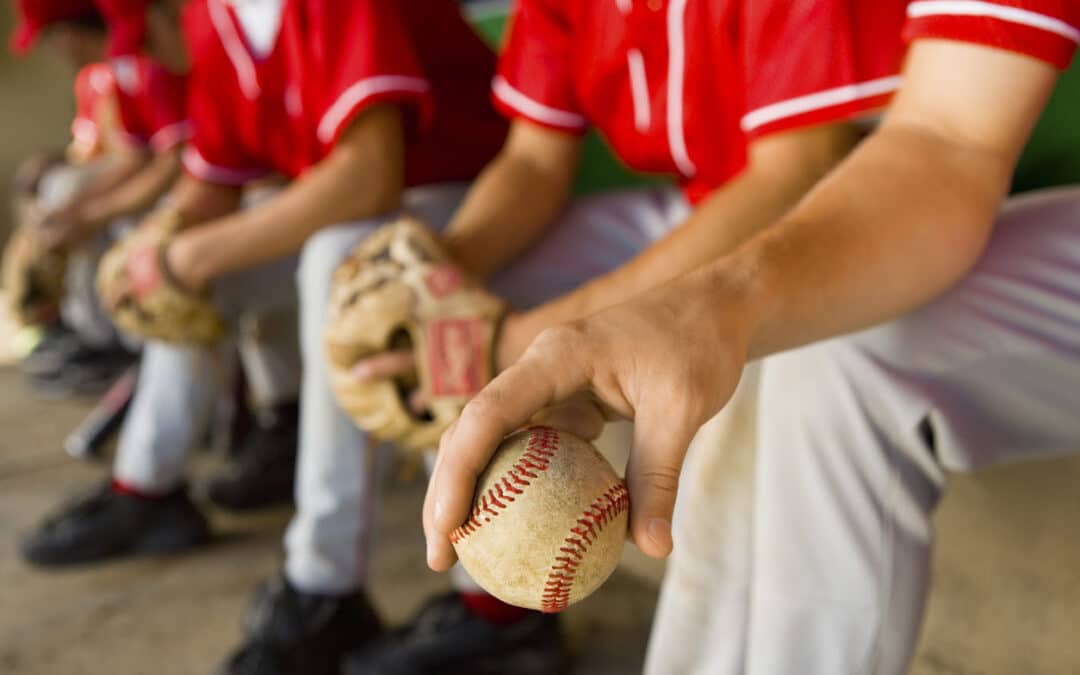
(680, 87)
(1048, 30)
(274, 84)
(151, 102)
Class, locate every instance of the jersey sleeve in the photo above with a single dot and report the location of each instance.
(167, 109)
(1048, 30)
(364, 54)
(809, 63)
(535, 74)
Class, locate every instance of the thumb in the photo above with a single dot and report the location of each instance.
(652, 477)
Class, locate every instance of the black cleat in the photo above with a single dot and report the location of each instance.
(58, 343)
(293, 633)
(266, 464)
(89, 371)
(106, 525)
(446, 639)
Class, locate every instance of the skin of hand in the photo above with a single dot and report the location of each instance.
(781, 168)
(924, 187)
(370, 153)
(85, 217)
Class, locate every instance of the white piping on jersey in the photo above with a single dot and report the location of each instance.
(1024, 17)
(506, 93)
(261, 22)
(168, 137)
(197, 165)
(235, 49)
(639, 90)
(125, 73)
(676, 19)
(819, 100)
(358, 93)
(625, 6)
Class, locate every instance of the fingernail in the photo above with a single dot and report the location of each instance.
(659, 531)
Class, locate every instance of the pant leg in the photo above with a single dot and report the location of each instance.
(327, 544)
(593, 236)
(171, 406)
(700, 621)
(860, 429)
(179, 385)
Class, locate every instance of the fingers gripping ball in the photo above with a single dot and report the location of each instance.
(33, 277)
(548, 524)
(400, 286)
(143, 300)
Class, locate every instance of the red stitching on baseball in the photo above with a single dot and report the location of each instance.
(536, 458)
(560, 581)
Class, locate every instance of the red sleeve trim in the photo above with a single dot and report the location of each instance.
(514, 103)
(196, 165)
(820, 107)
(990, 24)
(371, 90)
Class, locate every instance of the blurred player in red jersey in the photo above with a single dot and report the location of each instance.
(963, 351)
(368, 108)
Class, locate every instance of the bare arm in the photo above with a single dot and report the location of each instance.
(910, 212)
(781, 169)
(362, 177)
(515, 199)
(895, 225)
(138, 193)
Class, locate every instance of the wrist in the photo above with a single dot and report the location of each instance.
(737, 299)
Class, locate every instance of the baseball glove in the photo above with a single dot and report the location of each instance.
(143, 298)
(400, 288)
(33, 276)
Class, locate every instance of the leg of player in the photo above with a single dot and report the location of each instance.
(265, 466)
(321, 593)
(146, 508)
(706, 588)
(861, 429)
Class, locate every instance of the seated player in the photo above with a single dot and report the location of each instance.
(128, 134)
(130, 126)
(921, 336)
(743, 105)
(370, 107)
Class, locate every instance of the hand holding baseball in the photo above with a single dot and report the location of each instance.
(663, 360)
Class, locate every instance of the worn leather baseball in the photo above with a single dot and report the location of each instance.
(549, 521)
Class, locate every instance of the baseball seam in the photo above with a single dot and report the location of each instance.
(601, 512)
(535, 459)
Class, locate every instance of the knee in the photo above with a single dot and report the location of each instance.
(811, 387)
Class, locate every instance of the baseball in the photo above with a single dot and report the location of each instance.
(549, 521)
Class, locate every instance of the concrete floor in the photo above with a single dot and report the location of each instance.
(1006, 597)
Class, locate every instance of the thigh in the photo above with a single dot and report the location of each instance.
(991, 369)
(593, 236)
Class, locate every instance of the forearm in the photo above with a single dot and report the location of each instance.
(861, 249)
(507, 209)
(137, 194)
(118, 169)
(779, 175)
(515, 198)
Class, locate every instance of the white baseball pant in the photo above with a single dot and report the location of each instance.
(328, 542)
(856, 436)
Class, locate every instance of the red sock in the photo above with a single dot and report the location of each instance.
(126, 489)
(491, 609)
